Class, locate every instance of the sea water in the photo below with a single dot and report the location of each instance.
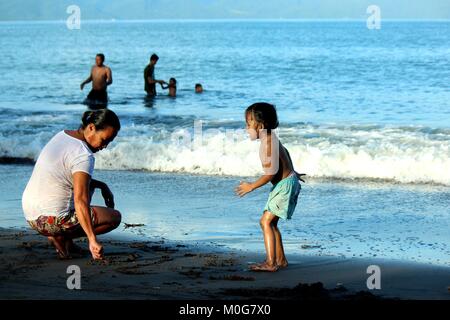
(365, 113)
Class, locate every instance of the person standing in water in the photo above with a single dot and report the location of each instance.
(57, 199)
(149, 77)
(101, 77)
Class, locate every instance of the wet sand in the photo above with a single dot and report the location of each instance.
(163, 270)
(350, 219)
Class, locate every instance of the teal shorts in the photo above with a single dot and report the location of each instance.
(283, 197)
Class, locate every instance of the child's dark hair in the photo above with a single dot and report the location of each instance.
(173, 80)
(264, 113)
(100, 119)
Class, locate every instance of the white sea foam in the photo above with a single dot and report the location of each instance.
(405, 155)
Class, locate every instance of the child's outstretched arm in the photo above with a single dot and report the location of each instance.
(245, 187)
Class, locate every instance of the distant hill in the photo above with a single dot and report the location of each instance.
(221, 9)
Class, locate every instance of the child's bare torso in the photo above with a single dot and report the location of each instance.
(172, 91)
(285, 166)
(272, 150)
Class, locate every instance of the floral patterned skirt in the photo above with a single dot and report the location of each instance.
(54, 225)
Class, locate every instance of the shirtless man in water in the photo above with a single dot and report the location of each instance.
(101, 77)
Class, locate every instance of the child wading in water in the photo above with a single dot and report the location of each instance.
(261, 119)
(172, 86)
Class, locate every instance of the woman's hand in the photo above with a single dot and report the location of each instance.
(108, 196)
(243, 188)
(96, 249)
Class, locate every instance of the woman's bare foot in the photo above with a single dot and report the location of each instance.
(59, 243)
(263, 267)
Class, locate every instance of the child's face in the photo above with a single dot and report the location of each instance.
(252, 127)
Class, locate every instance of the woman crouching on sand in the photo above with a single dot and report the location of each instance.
(56, 200)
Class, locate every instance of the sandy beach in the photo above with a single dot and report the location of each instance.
(163, 270)
(175, 250)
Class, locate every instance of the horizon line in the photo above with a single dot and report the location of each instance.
(231, 20)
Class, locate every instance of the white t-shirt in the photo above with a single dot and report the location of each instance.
(50, 189)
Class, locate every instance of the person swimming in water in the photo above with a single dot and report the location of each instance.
(198, 88)
(101, 78)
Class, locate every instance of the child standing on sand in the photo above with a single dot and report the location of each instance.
(262, 119)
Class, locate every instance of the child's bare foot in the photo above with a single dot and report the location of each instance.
(59, 243)
(282, 264)
(263, 267)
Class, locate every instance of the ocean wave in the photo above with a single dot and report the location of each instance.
(402, 154)
(399, 154)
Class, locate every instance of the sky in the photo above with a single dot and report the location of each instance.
(222, 9)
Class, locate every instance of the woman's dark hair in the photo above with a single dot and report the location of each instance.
(264, 113)
(100, 119)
